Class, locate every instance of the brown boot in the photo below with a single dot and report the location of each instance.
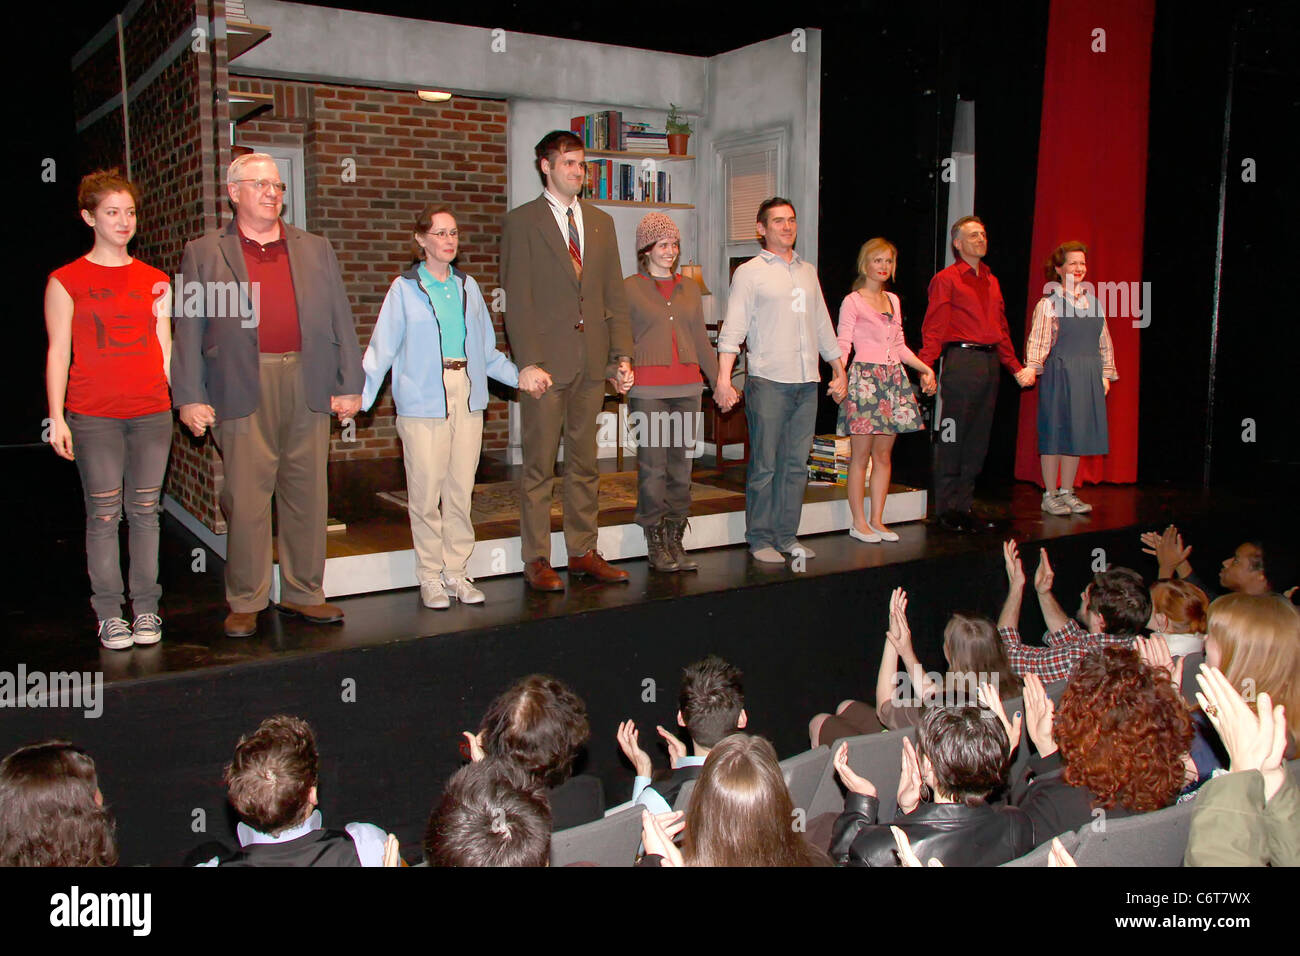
(657, 550)
(541, 576)
(313, 613)
(593, 564)
(674, 531)
(241, 625)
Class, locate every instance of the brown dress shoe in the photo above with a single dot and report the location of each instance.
(241, 625)
(593, 564)
(541, 576)
(313, 613)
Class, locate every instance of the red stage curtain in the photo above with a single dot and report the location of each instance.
(1092, 163)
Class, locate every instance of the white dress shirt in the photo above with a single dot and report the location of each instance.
(561, 214)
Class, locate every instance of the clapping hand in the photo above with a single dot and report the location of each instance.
(1168, 549)
(989, 697)
(1155, 651)
(676, 749)
(657, 832)
(1255, 741)
(475, 745)
(1015, 570)
(909, 781)
(905, 855)
(899, 633)
(628, 743)
(1039, 711)
(392, 852)
(1044, 576)
(852, 782)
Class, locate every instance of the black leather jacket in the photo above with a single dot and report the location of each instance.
(955, 833)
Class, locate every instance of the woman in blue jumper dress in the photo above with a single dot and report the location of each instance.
(435, 332)
(1069, 347)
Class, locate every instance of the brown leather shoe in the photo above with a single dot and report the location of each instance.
(313, 613)
(241, 625)
(593, 564)
(541, 576)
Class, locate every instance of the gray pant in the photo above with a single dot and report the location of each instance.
(782, 418)
(113, 454)
(666, 430)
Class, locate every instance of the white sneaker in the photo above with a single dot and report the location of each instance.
(1055, 504)
(462, 587)
(115, 634)
(147, 629)
(1073, 503)
(434, 595)
(797, 548)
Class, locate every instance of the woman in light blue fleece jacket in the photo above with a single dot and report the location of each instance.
(435, 332)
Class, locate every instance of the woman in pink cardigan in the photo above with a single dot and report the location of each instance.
(880, 404)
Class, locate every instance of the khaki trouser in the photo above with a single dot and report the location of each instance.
(281, 450)
(441, 457)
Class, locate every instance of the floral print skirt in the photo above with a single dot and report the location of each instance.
(880, 401)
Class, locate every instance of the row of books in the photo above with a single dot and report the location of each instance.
(829, 459)
(607, 179)
(606, 130)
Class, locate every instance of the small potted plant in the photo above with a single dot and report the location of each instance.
(679, 131)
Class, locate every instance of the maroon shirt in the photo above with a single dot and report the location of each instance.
(268, 269)
(965, 307)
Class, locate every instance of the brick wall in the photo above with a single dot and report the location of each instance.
(404, 154)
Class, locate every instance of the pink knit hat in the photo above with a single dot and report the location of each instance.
(653, 227)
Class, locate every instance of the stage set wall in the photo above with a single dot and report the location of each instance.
(804, 644)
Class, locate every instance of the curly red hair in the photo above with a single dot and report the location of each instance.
(1123, 729)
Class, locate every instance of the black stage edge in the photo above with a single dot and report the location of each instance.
(389, 691)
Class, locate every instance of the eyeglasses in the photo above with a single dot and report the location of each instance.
(261, 184)
(445, 234)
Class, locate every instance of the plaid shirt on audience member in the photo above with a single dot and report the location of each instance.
(1064, 649)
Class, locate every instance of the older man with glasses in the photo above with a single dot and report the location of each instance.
(263, 357)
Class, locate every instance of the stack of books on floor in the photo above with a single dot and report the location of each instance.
(829, 460)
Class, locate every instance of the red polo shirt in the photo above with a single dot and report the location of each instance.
(966, 307)
(268, 270)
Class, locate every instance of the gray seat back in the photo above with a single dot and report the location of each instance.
(1147, 839)
(803, 773)
(1038, 856)
(878, 758)
(609, 841)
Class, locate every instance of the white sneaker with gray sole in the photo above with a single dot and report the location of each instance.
(434, 595)
(462, 588)
(1055, 504)
(115, 634)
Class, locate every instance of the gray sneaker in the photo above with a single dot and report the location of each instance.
(1072, 501)
(462, 587)
(147, 629)
(1054, 503)
(434, 595)
(768, 555)
(115, 634)
(797, 548)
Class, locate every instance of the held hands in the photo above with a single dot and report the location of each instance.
(345, 406)
(61, 438)
(534, 380)
(929, 384)
(1026, 377)
(1015, 570)
(198, 417)
(852, 782)
(724, 394)
(1254, 741)
(1105, 386)
(839, 387)
(627, 742)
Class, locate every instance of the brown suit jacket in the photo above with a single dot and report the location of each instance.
(215, 356)
(544, 300)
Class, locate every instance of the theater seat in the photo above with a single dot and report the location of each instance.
(876, 757)
(1038, 857)
(1148, 839)
(803, 773)
(684, 795)
(609, 841)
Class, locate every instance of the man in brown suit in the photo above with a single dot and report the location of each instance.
(567, 320)
(263, 355)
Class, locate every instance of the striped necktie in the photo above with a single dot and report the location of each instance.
(575, 251)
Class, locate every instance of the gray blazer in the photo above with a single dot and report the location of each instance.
(215, 356)
(544, 299)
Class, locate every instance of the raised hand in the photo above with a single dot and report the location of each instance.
(909, 781)
(1155, 651)
(1255, 741)
(852, 782)
(628, 742)
(1168, 548)
(1044, 576)
(990, 698)
(1039, 711)
(1015, 570)
(676, 749)
(657, 832)
(899, 633)
(475, 745)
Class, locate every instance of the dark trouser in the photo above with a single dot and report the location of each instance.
(782, 418)
(568, 408)
(666, 431)
(968, 390)
(116, 455)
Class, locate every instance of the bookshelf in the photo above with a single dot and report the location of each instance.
(629, 154)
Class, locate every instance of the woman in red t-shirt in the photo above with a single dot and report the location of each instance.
(106, 378)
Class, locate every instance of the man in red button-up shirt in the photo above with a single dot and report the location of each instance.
(966, 322)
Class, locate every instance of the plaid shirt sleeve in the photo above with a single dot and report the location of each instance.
(1069, 633)
(1049, 663)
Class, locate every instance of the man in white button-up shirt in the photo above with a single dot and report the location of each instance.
(776, 307)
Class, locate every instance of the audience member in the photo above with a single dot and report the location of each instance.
(711, 706)
(1256, 566)
(272, 787)
(490, 815)
(960, 757)
(1178, 615)
(1115, 607)
(540, 725)
(740, 815)
(51, 810)
(973, 652)
(1118, 743)
(1249, 816)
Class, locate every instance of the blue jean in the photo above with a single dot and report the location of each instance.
(782, 418)
(122, 461)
